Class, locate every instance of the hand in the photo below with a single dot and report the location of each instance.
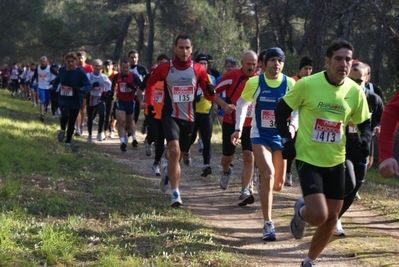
(235, 138)
(389, 168)
(289, 151)
(291, 129)
(364, 148)
(229, 108)
(377, 130)
(150, 111)
(143, 105)
(95, 84)
(130, 85)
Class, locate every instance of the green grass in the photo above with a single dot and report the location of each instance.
(80, 208)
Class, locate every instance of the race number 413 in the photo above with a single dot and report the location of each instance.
(326, 131)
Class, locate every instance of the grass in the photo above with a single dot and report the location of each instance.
(82, 209)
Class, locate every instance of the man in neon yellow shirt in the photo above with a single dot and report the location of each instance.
(326, 101)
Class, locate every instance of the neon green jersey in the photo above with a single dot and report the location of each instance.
(324, 111)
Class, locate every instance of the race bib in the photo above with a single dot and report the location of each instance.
(42, 77)
(96, 91)
(268, 120)
(158, 96)
(183, 94)
(123, 88)
(66, 91)
(249, 111)
(325, 131)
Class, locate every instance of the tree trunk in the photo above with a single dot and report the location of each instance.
(257, 31)
(151, 31)
(317, 32)
(140, 20)
(351, 16)
(377, 56)
(121, 38)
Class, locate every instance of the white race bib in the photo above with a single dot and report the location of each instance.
(123, 88)
(183, 94)
(158, 96)
(325, 131)
(96, 91)
(66, 91)
(268, 120)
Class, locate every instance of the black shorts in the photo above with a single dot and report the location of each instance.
(228, 148)
(176, 129)
(329, 181)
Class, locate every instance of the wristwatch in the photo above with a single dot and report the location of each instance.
(285, 140)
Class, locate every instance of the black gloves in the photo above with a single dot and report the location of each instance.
(95, 84)
(289, 151)
(150, 111)
(364, 147)
(210, 89)
(131, 86)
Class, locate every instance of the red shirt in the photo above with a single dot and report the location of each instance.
(87, 68)
(122, 91)
(389, 124)
(233, 82)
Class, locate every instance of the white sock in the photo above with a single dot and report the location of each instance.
(122, 140)
(175, 190)
(134, 137)
(307, 260)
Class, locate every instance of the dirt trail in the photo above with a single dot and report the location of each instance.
(240, 228)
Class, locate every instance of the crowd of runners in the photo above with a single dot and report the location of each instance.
(328, 122)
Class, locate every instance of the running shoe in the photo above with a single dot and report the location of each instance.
(100, 136)
(176, 200)
(89, 139)
(246, 198)
(155, 170)
(297, 225)
(123, 147)
(164, 182)
(135, 143)
(288, 179)
(308, 264)
(61, 136)
(147, 148)
(339, 231)
(187, 159)
(77, 132)
(357, 196)
(224, 180)
(268, 231)
(42, 118)
(200, 146)
(111, 135)
(81, 130)
(206, 170)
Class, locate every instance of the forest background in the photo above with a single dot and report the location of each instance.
(108, 29)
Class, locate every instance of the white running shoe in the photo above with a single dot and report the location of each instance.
(224, 181)
(164, 182)
(89, 139)
(100, 137)
(176, 200)
(339, 231)
(156, 170)
(269, 233)
(246, 197)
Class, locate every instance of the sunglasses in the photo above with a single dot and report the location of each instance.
(358, 81)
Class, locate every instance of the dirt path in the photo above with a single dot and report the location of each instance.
(240, 228)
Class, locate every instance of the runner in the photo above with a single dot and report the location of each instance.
(181, 77)
(265, 91)
(326, 101)
(355, 162)
(125, 84)
(233, 83)
(14, 73)
(100, 91)
(33, 86)
(74, 85)
(155, 131)
(202, 123)
(109, 101)
(305, 69)
(140, 71)
(82, 113)
(44, 74)
(5, 78)
(53, 96)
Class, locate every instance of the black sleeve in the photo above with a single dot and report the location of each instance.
(136, 80)
(365, 131)
(281, 115)
(34, 77)
(53, 71)
(377, 111)
(143, 84)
